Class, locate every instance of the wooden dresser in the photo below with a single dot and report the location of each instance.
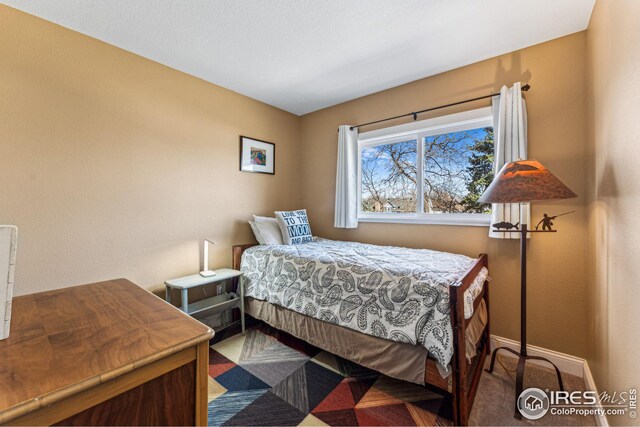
(108, 353)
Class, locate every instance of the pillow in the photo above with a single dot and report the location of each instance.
(256, 232)
(269, 230)
(295, 227)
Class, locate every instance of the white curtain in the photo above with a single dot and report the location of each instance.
(346, 214)
(510, 142)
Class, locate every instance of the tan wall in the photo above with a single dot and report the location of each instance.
(115, 166)
(556, 106)
(614, 195)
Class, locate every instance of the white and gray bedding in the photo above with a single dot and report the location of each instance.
(389, 292)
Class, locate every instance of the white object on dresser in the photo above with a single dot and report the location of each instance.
(220, 303)
(205, 271)
(8, 245)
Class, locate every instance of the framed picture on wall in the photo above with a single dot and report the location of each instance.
(257, 156)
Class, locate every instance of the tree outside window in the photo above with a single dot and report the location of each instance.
(456, 167)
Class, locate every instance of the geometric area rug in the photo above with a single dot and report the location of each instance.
(270, 378)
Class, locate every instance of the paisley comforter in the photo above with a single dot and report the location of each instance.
(394, 293)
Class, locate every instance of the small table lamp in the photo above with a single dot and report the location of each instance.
(523, 182)
(205, 255)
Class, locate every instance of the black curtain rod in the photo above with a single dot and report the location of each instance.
(524, 88)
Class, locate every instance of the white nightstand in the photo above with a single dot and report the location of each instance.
(216, 304)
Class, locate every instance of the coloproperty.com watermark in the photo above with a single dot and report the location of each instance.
(534, 403)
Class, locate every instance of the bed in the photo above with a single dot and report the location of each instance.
(414, 314)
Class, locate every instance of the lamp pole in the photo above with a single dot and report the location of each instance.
(523, 283)
(522, 355)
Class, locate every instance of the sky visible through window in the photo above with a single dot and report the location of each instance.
(458, 166)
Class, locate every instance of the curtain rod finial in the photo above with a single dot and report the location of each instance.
(526, 87)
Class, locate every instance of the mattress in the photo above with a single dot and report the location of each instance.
(393, 293)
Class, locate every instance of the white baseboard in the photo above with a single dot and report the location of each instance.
(571, 365)
(566, 363)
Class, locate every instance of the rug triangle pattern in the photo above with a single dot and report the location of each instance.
(269, 378)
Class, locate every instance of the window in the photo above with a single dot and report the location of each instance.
(388, 177)
(429, 172)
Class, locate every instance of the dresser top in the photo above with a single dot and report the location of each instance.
(76, 338)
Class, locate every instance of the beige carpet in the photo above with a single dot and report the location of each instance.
(494, 403)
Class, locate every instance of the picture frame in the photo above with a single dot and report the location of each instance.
(257, 156)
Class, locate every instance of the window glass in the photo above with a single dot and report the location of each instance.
(458, 167)
(388, 177)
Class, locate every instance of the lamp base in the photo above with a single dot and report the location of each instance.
(522, 359)
(207, 273)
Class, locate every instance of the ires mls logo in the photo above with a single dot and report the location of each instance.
(533, 403)
(574, 398)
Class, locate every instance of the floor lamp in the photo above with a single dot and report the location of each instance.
(523, 182)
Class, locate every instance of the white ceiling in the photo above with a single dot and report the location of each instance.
(304, 55)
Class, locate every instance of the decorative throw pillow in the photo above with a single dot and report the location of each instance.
(269, 229)
(295, 227)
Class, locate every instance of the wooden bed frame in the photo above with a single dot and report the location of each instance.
(465, 376)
